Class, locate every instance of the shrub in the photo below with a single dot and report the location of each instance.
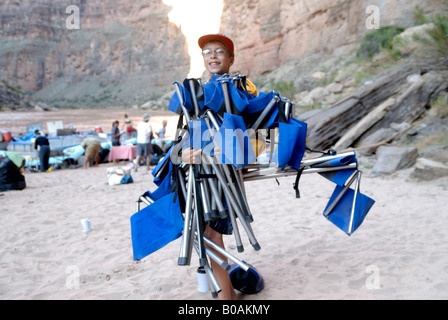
(376, 40)
(284, 88)
(440, 105)
(438, 35)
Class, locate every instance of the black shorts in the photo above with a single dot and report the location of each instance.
(222, 226)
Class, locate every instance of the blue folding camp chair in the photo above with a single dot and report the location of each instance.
(222, 113)
(347, 208)
(155, 226)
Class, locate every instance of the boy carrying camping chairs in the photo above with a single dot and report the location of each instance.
(201, 193)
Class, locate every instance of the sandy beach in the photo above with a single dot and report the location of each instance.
(400, 252)
(366, 75)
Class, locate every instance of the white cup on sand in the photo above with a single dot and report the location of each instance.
(85, 223)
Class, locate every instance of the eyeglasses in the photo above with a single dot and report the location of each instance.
(218, 52)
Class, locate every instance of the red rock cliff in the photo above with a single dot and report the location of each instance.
(269, 33)
(117, 41)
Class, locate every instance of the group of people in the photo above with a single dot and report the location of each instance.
(92, 146)
(145, 135)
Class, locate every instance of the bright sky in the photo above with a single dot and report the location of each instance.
(196, 18)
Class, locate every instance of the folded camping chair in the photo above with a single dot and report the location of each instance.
(155, 226)
(192, 188)
(347, 208)
(189, 195)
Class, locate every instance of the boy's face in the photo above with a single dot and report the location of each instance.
(217, 63)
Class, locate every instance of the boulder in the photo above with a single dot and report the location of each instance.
(436, 153)
(318, 75)
(335, 87)
(407, 41)
(319, 93)
(392, 159)
(303, 99)
(426, 169)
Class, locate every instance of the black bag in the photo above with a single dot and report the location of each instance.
(10, 176)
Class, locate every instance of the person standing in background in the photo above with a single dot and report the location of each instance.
(161, 134)
(43, 145)
(116, 135)
(144, 136)
(128, 128)
(92, 147)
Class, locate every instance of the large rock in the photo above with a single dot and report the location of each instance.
(324, 130)
(392, 159)
(426, 169)
(410, 101)
(436, 153)
(407, 40)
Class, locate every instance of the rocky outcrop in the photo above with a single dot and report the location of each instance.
(270, 33)
(395, 97)
(11, 97)
(14, 99)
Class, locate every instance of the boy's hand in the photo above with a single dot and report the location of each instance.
(191, 156)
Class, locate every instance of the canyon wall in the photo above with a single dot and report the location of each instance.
(120, 45)
(125, 52)
(269, 33)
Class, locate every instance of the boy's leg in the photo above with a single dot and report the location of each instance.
(227, 293)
